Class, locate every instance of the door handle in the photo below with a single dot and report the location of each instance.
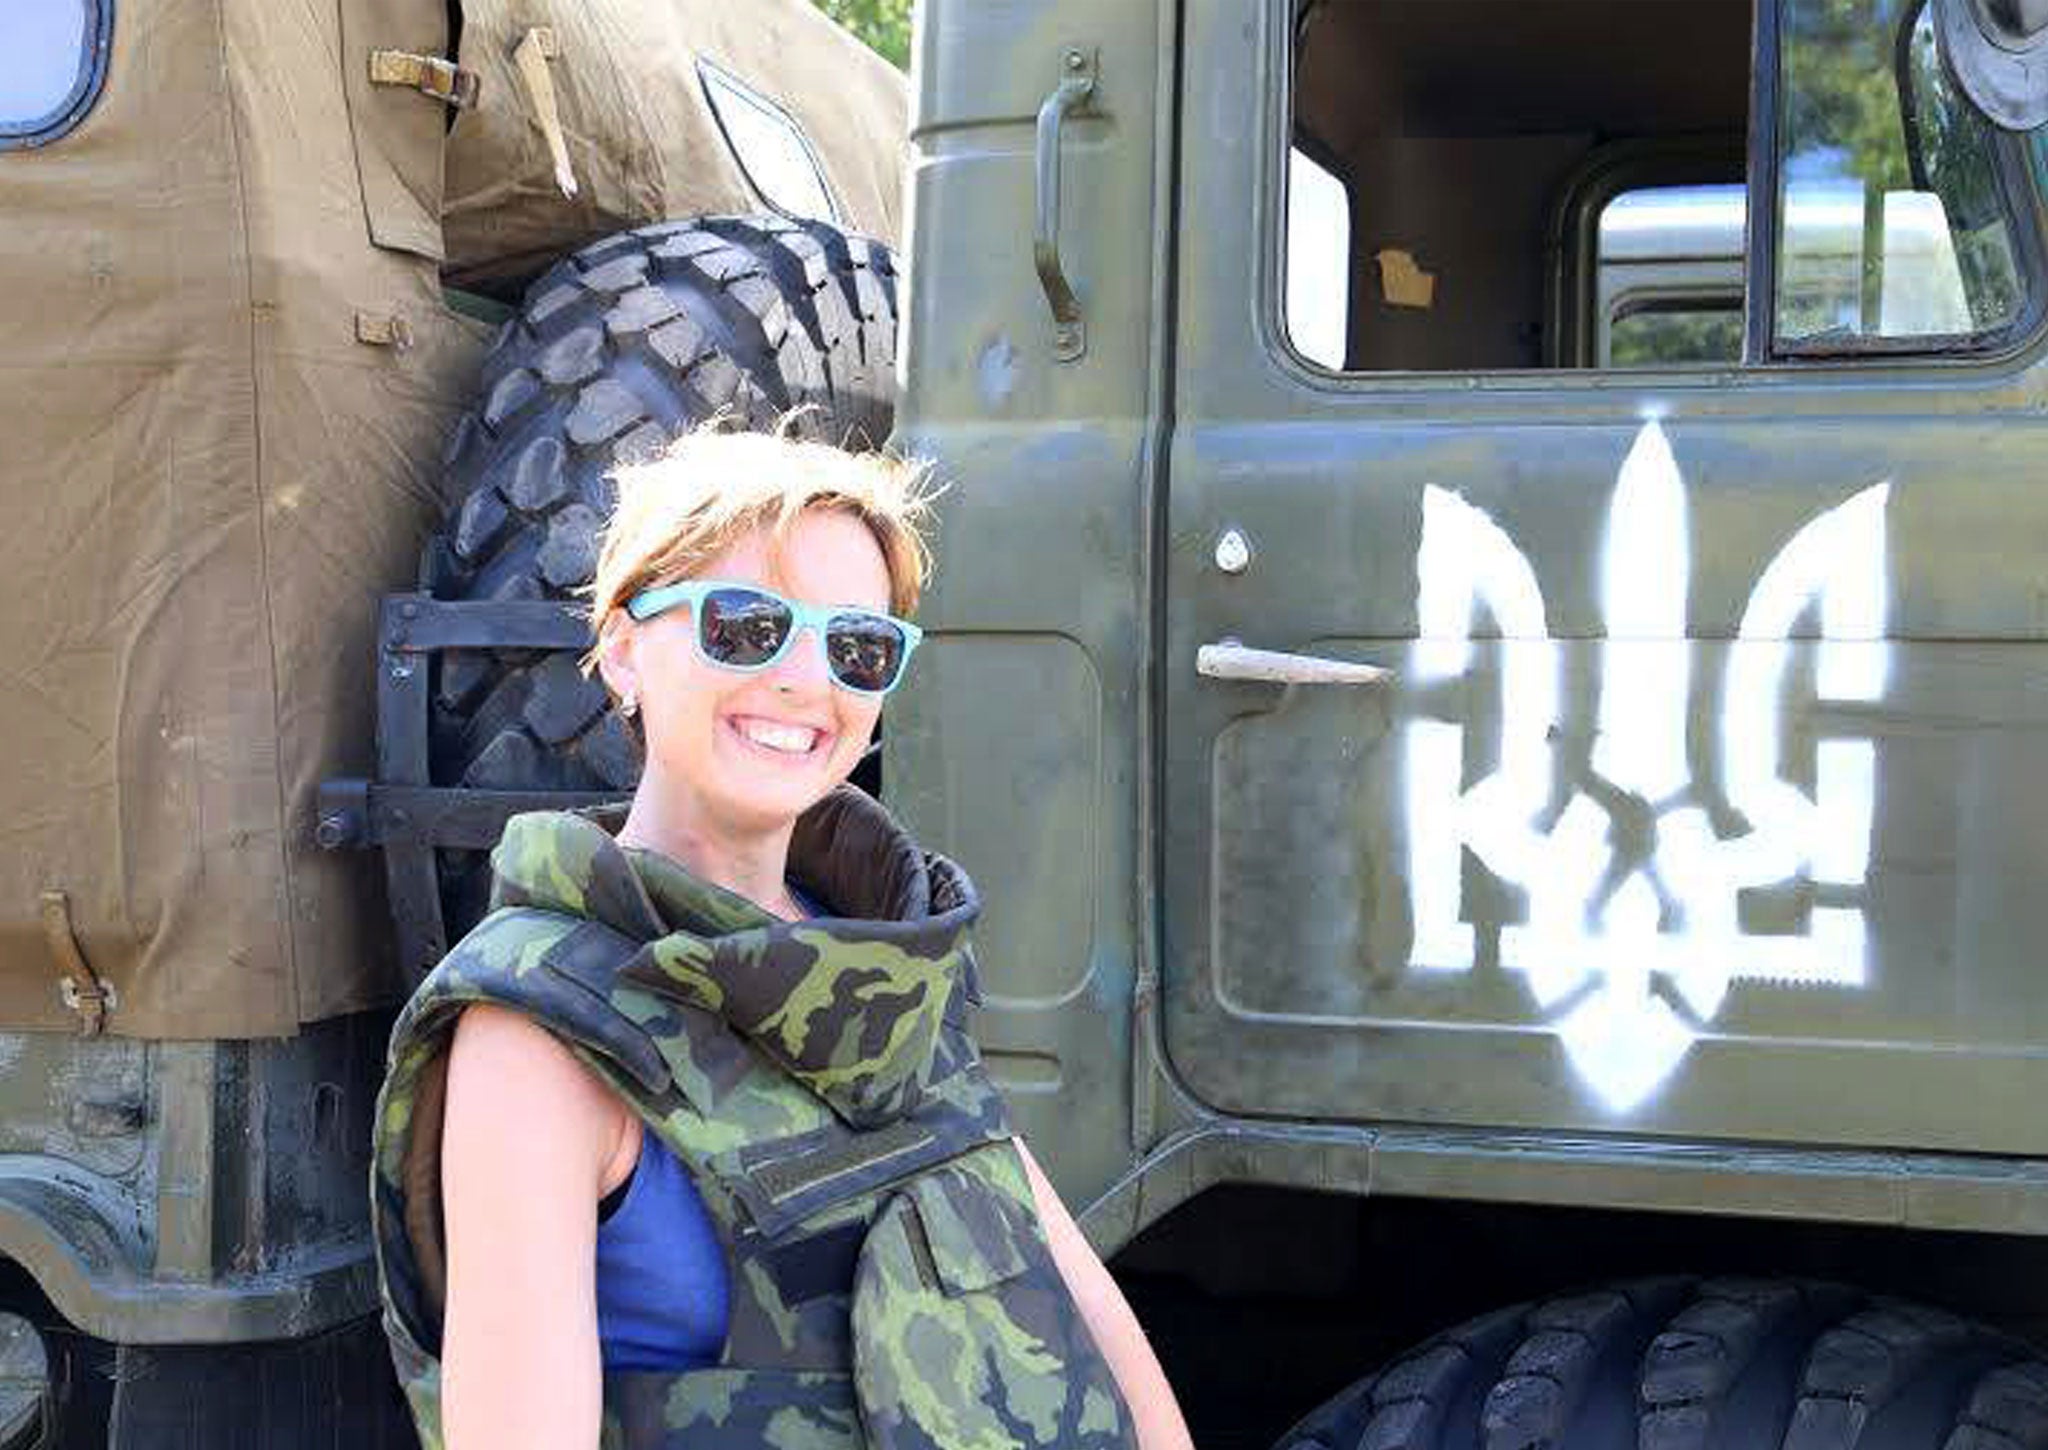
(1077, 85)
(1227, 659)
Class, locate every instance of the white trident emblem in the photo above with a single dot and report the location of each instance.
(1631, 940)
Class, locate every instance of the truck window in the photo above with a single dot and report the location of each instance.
(1891, 221)
(1669, 277)
(52, 63)
(771, 147)
(1464, 135)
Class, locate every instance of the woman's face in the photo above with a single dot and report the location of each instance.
(752, 752)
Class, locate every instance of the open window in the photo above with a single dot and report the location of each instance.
(1614, 184)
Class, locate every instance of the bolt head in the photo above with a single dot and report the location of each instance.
(1233, 552)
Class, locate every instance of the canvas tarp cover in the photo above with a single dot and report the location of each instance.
(206, 483)
(642, 141)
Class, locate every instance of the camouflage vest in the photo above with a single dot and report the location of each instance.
(890, 1282)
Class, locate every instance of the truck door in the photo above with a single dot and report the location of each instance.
(1014, 747)
(1705, 789)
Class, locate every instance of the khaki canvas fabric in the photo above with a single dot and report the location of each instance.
(642, 140)
(208, 478)
(206, 481)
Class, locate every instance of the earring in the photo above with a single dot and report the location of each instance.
(629, 706)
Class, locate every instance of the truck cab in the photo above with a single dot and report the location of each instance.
(1488, 651)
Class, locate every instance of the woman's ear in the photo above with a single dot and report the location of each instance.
(616, 655)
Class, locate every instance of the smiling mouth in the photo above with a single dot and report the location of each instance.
(791, 742)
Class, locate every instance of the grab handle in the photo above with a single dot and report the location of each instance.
(1228, 659)
(1076, 87)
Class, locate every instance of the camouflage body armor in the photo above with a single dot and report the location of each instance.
(890, 1282)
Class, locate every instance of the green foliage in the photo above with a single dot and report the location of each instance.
(883, 24)
(1840, 97)
(1677, 337)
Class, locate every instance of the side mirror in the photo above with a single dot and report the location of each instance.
(1998, 52)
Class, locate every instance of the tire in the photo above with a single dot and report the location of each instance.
(616, 350)
(1723, 1364)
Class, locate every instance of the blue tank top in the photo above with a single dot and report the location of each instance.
(663, 1289)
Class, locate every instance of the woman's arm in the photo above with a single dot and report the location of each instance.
(1109, 1319)
(529, 1138)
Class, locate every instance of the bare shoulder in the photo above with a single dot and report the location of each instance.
(516, 1091)
(525, 1141)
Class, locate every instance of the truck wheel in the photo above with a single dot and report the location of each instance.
(1685, 1365)
(618, 349)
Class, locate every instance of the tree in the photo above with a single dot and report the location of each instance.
(883, 24)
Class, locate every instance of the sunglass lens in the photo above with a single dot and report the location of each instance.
(742, 628)
(865, 651)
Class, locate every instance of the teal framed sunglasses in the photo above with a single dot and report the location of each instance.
(747, 628)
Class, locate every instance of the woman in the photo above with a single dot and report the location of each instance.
(694, 1111)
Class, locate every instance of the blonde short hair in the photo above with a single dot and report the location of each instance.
(713, 486)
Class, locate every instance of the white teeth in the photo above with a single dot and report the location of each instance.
(790, 739)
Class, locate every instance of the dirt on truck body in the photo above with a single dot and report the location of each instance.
(1518, 526)
(256, 256)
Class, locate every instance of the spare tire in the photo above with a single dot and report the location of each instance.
(616, 350)
(1723, 1364)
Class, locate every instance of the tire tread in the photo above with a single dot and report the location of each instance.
(1715, 1364)
(618, 348)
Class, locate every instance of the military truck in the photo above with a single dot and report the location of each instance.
(1485, 657)
(1506, 760)
(255, 256)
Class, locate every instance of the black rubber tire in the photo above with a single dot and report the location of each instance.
(1719, 1364)
(616, 350)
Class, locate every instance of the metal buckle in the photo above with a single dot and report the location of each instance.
(83, 990)
(431, 75)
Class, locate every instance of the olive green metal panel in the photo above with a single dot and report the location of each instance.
(79, 1100)
(1015, 745)
(192, 1192)
(1707, 795)
(1044, 908)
